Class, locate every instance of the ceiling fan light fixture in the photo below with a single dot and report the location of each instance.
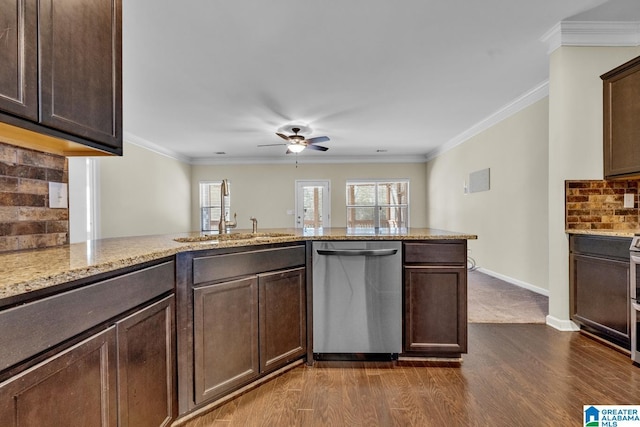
(295, 148)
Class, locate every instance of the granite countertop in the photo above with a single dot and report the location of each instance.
(610, 233)
(32, 270)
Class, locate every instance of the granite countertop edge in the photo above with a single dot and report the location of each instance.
(610, 233)
(24, 272)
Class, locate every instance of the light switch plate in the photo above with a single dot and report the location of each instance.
(629, 201)
(58, 198)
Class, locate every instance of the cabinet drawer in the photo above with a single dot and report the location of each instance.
(218, 267)
(438, 252)
(34, 327)
(601, 246)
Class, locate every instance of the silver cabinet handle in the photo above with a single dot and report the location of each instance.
(635, 305)
(357, 252)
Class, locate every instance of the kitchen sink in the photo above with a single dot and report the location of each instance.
(231, 236)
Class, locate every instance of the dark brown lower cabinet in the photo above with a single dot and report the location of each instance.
(247, 327)
(225, 318)
(435, 311)
(146, 366)
(74, 388)
(241, 314)
(283, 320)
(122, 376)
(599, 286)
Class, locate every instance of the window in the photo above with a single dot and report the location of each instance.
(380, 204)
(210, 205)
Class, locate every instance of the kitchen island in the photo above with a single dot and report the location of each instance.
(171, 312)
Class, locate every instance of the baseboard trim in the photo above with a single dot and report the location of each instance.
(562, 324)
(516, 282)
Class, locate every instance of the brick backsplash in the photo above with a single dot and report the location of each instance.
(26, 221)
(599, 205)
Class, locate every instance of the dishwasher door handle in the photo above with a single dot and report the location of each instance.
(357, 252)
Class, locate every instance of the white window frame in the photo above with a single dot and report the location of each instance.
(213, 204)
(377, 206)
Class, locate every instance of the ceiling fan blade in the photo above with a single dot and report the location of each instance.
(317, 147)
(270, 145)
(317, 139)
(283, 136)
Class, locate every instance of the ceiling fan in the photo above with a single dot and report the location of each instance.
(296, 143)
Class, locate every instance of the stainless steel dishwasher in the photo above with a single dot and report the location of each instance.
(357, 300)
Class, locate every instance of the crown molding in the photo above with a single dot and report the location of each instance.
(288, 160)
(531, 97)
(291, 160)
(141, 142)
(592, 33)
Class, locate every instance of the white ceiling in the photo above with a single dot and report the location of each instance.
(405, 76)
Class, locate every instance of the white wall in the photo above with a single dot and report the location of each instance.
(575, 146)
(143, 193)
(511, 218)
(78, 200)
(268, 191)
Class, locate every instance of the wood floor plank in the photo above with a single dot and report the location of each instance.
(290, 408)
(258, 408)
(276, 402)
(304, 418)
(359, 409)
(383, 409)
(327, 404)
(399, 396)
(420, 380)
(307, 390)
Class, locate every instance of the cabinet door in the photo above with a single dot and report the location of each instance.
(75, 388)
(18, 55)
(283, 320)
(225, 336)
(435, 319)
(600, 289)
(621, 127)
(80, 69)
(146, 366)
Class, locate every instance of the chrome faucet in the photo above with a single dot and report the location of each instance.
(255, 225)
(223, 224)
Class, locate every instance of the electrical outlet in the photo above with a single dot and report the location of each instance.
(629, 200)
(58, 198)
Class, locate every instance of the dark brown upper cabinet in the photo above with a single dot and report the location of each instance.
(61, 79)
(621, 108)
(18, 56)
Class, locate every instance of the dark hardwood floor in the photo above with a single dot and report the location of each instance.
(514, 375)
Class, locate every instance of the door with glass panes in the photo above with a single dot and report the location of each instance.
(313, 205)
